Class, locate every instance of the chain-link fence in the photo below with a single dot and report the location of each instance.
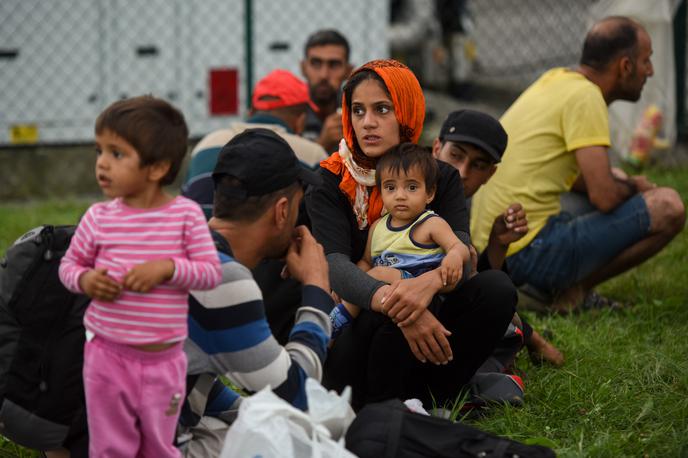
(519, 39)
(681, 44)
(62, 62)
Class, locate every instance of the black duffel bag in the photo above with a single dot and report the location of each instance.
(388, 429)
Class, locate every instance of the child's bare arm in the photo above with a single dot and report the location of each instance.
(364, 265)
(434, 230)
(456, 253)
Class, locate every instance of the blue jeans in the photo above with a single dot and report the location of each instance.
(570, 247)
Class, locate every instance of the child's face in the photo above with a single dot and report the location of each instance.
(474, 166)
(404, 194)
(118, 168)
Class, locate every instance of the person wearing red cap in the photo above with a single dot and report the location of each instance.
(279, 104)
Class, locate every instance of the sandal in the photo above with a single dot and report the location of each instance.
(596, 301)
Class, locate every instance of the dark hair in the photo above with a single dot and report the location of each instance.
(326, 37)
(405, 156)
(604, 44)
(246, 209)
(153, 127)
(359, 77)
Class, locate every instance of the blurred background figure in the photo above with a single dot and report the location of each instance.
(433, 37)
(325, 66)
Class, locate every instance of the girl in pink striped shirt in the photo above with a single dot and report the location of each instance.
(137, 256)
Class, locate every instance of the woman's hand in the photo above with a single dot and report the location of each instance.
(428, 339)
(376, 303)
(408, 298)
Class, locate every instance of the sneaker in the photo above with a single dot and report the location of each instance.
(494, 387)
(591, 301)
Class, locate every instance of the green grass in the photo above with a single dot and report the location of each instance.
(15, 219)
(624, 388)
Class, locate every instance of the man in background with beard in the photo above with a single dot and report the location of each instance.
(325, 66)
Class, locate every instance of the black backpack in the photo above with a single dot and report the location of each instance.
(41, 342)
(388, 429)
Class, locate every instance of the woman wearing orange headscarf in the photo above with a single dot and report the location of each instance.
(382, 106)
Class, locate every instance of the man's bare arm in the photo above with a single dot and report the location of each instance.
(605, 191)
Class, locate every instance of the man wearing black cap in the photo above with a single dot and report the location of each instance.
(473, 143)
(279, 103)
(258, 187)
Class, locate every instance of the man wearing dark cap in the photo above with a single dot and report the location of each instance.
(258, 183)
(279, 104)
(473, 143)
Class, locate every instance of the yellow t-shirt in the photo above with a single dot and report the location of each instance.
(560, 112)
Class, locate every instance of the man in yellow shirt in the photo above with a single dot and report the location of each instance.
(558, 140)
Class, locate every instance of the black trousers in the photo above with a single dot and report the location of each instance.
(375, 359)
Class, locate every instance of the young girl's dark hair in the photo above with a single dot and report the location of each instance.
(154, 128)
(405, 156)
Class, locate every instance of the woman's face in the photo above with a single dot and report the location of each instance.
(373, 120)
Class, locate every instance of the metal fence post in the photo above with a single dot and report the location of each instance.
(248, 18)
(680, 38)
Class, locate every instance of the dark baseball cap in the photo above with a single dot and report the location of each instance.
(476, 128)
(263, 162)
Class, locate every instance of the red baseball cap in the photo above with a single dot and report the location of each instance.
(279, 89)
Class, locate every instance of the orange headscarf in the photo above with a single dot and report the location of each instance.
(409, 110)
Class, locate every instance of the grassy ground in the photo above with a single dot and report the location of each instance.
(624, 388)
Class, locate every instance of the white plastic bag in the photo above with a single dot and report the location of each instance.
(269, 427)
(329, 409)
